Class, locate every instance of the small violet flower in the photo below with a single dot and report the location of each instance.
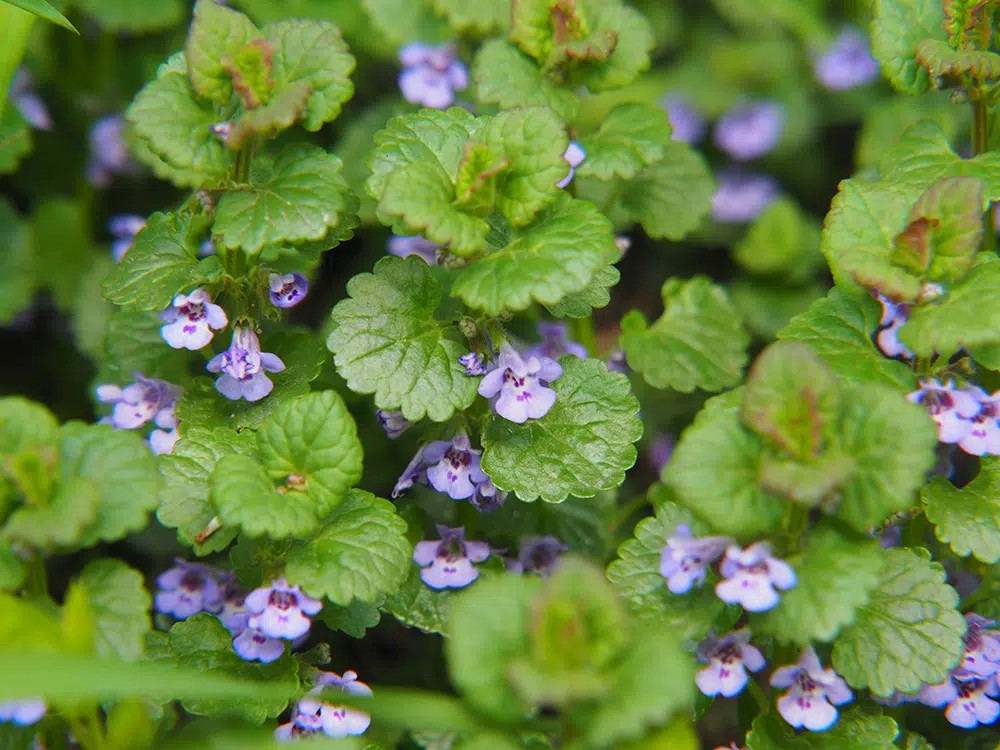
(686, 123)
(23, 712)
(404, 247)
(280, 610)
(288, 290)
(393, 422)
(539, 555)
(253, 645)
(414, 473)
(487, 498)
(969, 703)
(243, 367)
(233, 613)
(814, 692)
(190, 319)
(949, 407)
(447, 564)
(750, 130)
(728, 659)
(847, 63)
(108, 151)
(23, 96)
(983, 435)
(431, 75)
(187, 589)
(474, 364)
(741, 197)
(144, 400)
(124, 228)
(555, 343)
(453, 467)
(752, 576)
(685, 558)
(660, 451)
(162, 442)
(574, 156)
(981, 659)
(521, 386)
(337, 721)
(894, 317)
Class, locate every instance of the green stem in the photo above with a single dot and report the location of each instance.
(36, 582)
(763, 702)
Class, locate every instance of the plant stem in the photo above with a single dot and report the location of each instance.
(763, 702)
(36, 581)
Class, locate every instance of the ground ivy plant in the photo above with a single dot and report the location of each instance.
(449, 388)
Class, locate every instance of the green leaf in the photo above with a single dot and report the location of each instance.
(596, 295)
(637, 578)
(533, 140)
(176, 127)
(669, 199)
(124, 15)
(19, 281)
(783, 241)
(714, 471)
(489, 628)
(967, 519)
(162, 263)
(313, 54)
(61, 522)
(791, 399)
(633, 43)
(767, 306)
(942, 61)
(505, 76)
(698, 341)
(803, 19)
(836, 574)
(202, 643)
(267, 121)
(386, 341)
(581, 446)
(839, 329)
(417, 605)
(246, 497)
(632, 136)
(304, 196)
(250, 68)
(898, 27)
(361, 553)
(217, 34)
(425, 137)
(479, 17)
(119, 464)
(855, 729)
(909, 633)
(15, 140)
(13, 569)
(60, 238)
(133, 343)
(184, 498)
(25, 425)
(354, 619)
(962, 318)
(45, 11)
(558, 254)
(402, 21)
(120, 606)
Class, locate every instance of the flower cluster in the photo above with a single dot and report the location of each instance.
(448, 562)
(431, 75)
(728, 659)
(969, 416)
(449, 466)
(813, 693)
(750, 575)
(243, 367)
(138, 403)
(314, 715)
(519, 387)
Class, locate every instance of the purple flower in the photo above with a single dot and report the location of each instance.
(752, 576)
(453, 467)
(949, 407)
(124, 228)
(280, 610)
(393, 422)
(555, 342)
(162, 442)
(414, 473)
(981, 659)
(187, 589)
(521, 385)
(983, 436)
(108, 151)
(243, 366)
(968, 703)
(144, 400)
(686, 123)
(233, 613)
(617, 362)
(23, 712)
(741, 197)
(750, 130)
(431, 75)
(335, 721)
(574, 156)
(487, 498)
(253, 645)
(190, 319)
(473, 363)
(403, 247)
(660, 450)
(814, 692)
(894, 317)
(450, 559)
(728, 659)
(288, 290)
(23, 96)
(847, 63)
(539, 555)
(684, 558)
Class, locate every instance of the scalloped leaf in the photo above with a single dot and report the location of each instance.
(967, 518)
